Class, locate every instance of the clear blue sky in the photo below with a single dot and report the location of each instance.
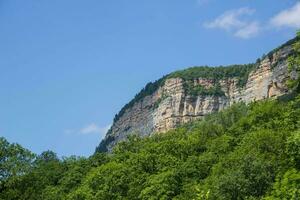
(68, 66)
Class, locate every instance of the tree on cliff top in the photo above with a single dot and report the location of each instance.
(294, 66)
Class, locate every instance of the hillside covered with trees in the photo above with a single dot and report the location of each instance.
(244, 152)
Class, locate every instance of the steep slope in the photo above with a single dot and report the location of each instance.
(190, 94)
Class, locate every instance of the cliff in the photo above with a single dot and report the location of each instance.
(190, 94)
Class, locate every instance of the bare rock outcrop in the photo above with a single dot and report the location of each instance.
(170, 105)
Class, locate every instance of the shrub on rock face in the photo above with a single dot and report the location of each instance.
(294, 66)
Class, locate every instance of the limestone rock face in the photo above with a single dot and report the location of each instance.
(170, 106)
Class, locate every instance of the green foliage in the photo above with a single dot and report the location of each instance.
(240, 72)
(244, 152)
(293, 149)
(82, 193)
(14, 160)
(109, 181)
(286, 187)
(294, 66)
(164, 185)
(214, 74)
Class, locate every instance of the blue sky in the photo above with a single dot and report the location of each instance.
(68, 66)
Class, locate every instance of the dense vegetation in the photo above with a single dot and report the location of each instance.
(244, 152)
(294, 66)
(215, 74)
(240, 72)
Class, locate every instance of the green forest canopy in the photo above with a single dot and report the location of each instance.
(244, 152)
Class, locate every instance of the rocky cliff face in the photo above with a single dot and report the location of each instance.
(170, 105)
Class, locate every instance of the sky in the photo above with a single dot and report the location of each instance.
(68, 66)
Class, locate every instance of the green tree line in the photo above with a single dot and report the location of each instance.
(244, 152)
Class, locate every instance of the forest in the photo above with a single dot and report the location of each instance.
(244, 152)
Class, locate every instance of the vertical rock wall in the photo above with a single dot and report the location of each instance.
(170, 106)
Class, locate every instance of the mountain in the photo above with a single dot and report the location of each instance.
(244, 151)
(190, 94)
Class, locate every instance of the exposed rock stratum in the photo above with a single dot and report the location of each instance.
(171, 105)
